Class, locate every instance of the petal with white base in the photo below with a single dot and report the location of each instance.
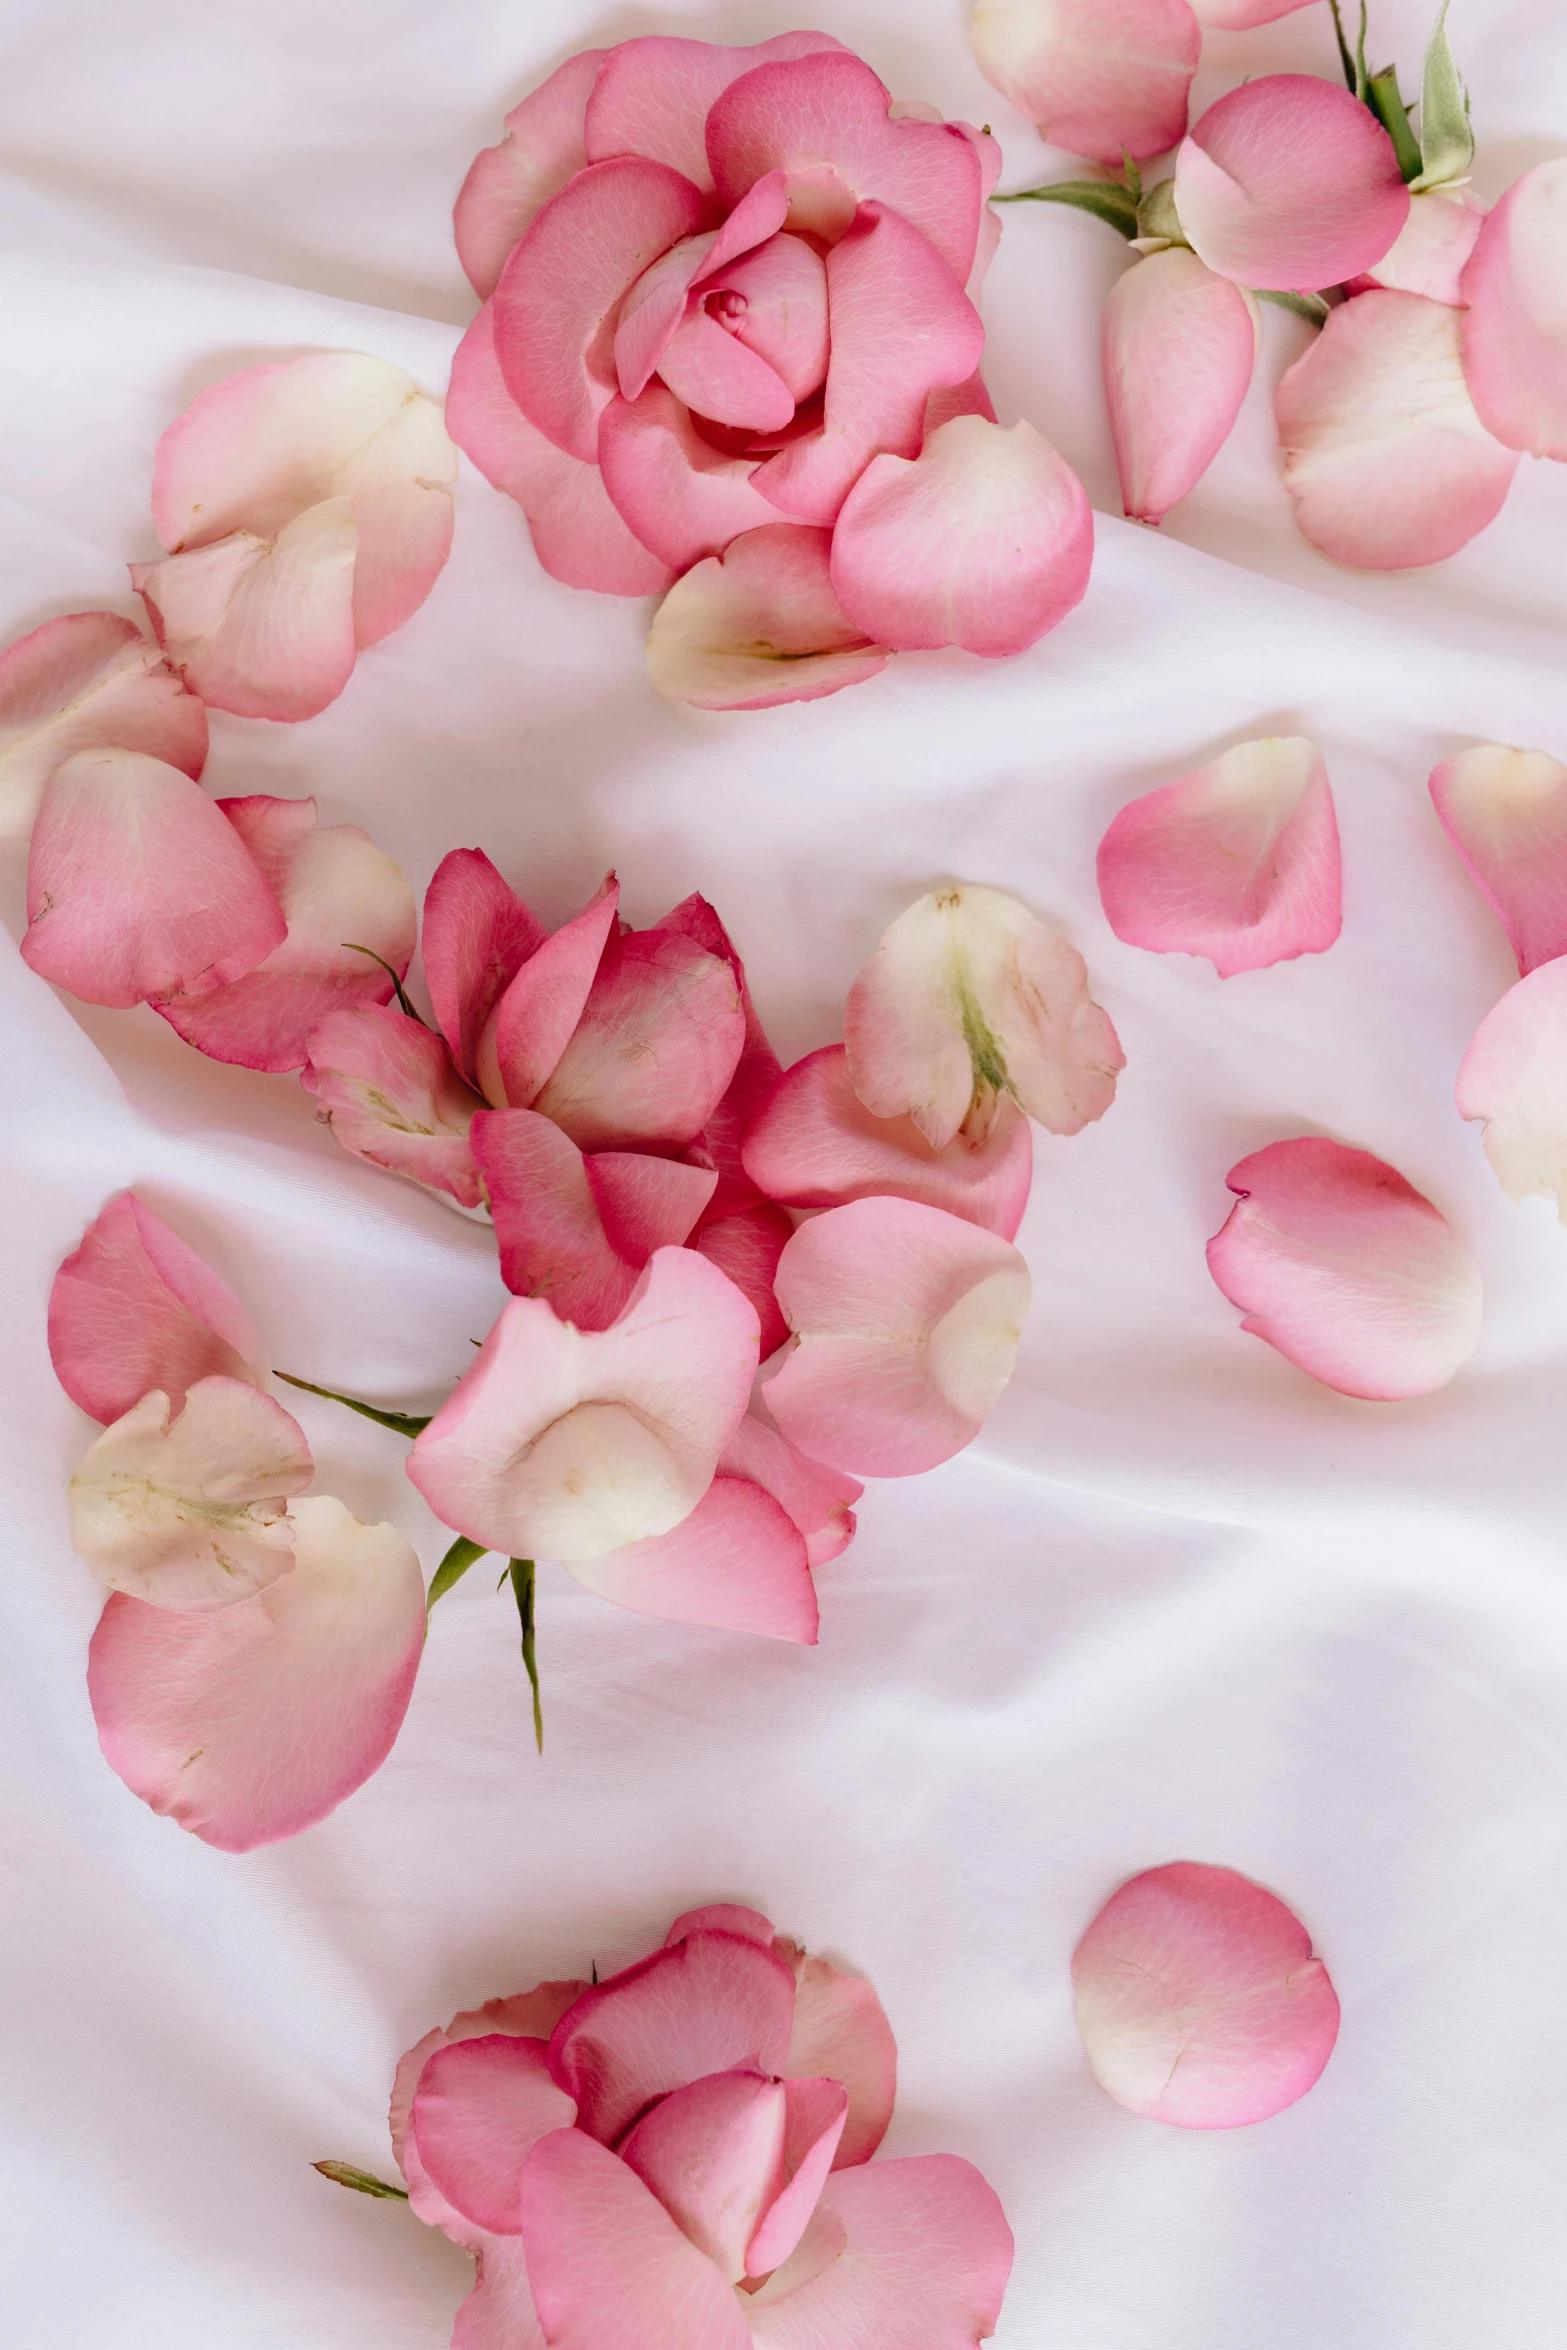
(758, 625)
(88, 681)
(1515, 325)
(1505, 812)
(1514, 1077)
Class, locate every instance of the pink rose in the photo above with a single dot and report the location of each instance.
(681, 2154)
(727, 299)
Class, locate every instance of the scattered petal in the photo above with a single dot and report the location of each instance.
(757, 626)
(841, 2032)
(1177, 344)
(738, 1563)
(1099, 77)
(1515, 326)
(1428, 254)
(389, 1092)
(818, 1500)
(87, 682)
(508, 185)
(477, 935)
(1514, 1076)
(653, 1053)
(1505, 812)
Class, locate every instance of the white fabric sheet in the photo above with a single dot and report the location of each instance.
(1178, 1602)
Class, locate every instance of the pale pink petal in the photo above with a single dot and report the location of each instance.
(722, 1917)
(1098, 76)
(89, 681)
(747, 1246)
(901, 324)
(339, 893)
(250, 1724)
(652, 312)
(574, 1231)
(654, 95)
(984, 540)
(577, 534)
(261, 627)
(915, 2252)
(815, 2112)
(1514, 1076)
(756, 1071)
(481, 2106)
(133, 1308)
(1505, 812)
(1238, 861)
(712, 2003)
(652, 1055)
(1384, 456)
(712, 2153)
(719, 377)
(566, 1444)
(477, 935)
(389, 1092)
(817, 1499)
(737, 1563)
(1347, 1270)
(968, 997)
(1515, 326)
(1200, 2001)
(648, 1203)
(137, 889)
(506, 185)
(607, 2263)
(190, 1511)
(1177, 345)
(841, 2032)
(824, 120)
(1428, 254)
(499, 2313)
(774, 300)
(680, 496)
(560, 293)
(1289, 182)
(757, 626)
(533, 1022)
(908, 1322)
(1239, 16)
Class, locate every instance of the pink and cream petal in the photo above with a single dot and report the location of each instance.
(654, 95)
(1099, 77)
(651, 1057)
(1429, 253)
(1344, 1267)
(88, 681)
(477, 935)
(389, 1093)
(481, 2106)
(737, 1563)
(759, 625)
(1515, 324)
(841, 2033)
(1514, 1078)
(536, 1017)
(250, 1724)
(1505, 812)
(507, 185)
(1200, 2000)
(1177, 344)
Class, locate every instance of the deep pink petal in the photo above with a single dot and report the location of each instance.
(747, 1246)
(908, 1322)
(1384, 456)
(261, 627)
(738, 1563)
(775, 301)
(815, 1145)
(1514, 1076)
(1505, 812)
(477, 935)
(1347, 1270)
(389, 1092)
(1515, 326)
(817, 1499)
(720, 377)
(534, 1021)
(481, 2107)
(1238, 861)
(841, 2033)
(759, 625)
(1428, 254)
(756, 1072)
(88, 681)
(654, 95)
(506, 185)
(711, 2153)
(531, 2015)
(566, 1444)
(560, 293)
(815, 2112)
(653, 1053)
(1177, 344)
(573, 1231)
(823, 119)
(915, 2252)
(901, 324)
(577, 534)
(652, 312)
(1199, 1999)
(984, 540)
(1289, 182)
(680, 496)
(137, 889)
(648, 1203)
(250, 1724)
(710, 2004)
(133, 1308)
(1097, 76)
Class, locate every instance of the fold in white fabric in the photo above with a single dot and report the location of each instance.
(1178, 1602)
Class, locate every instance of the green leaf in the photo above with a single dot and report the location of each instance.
(452, 1568)
(1107, 200)
(1385, 103)
(1309, 306)
(402, 1423)
(1447, 143)
(521, 1572)
(363, 2182)
(351, 948)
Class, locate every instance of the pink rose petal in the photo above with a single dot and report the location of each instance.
(756, 1071)
(481, 2106)
(506, 186)
(1514, 1076)
(774, 300)
(1238, 861)
(841, 2032)
(1515, 325)
(1428, 254)
(647, 1203)
(816, 1499)
(133, 1308)
(650, 1059)
(1384, 456)
(747, 1246)
(654, 95)
(1505, 812)
(719, 377)
(1099, 77)
(137, 889)
(477, 935)
(499, 2313)
(1177, 344)
(710, 2152)
(1239, 16)
(524, 1037)
(87, 682)
(1347, 1270)
(680, 496)
(661, 299)
(530, 2015)
(757, 626)
(908, 1322)
(1289, 182)
(737, 1562)
(1200, 2001)
(389, 1093)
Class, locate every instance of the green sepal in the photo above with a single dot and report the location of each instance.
(1107, 200)
(1309, 306)
(351, 947)
(1447, 140)
(522, 1583)
(401, 1423)
(363, 2182)
(452, 1569)
(1157, 216)
(1385, 103)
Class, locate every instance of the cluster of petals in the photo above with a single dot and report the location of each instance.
(681, 2154)
(728, 353)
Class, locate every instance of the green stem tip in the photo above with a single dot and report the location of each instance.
(452, 1568)
(363, 2182)
(522, 1583)
(402, 1423)
(351, 946)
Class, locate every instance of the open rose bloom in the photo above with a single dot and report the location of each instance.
(729, 353)
(679, 2158)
